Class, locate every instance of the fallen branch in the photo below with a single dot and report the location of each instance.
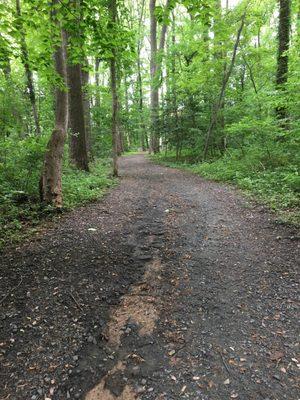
(10, 292)
(76, 302)
(225, 364)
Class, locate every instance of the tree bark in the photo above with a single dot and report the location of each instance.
(97, 97)
(114, 93)
(172, 95)
(155, 71)
(87, 110)
(154, 96)
(78, 143)
(140, 82)
(50, 184)
(78, 138)
(282, 58)
(120, 131)
(28, 71)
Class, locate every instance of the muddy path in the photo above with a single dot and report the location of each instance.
(172, 287)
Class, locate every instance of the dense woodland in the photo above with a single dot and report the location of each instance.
(212, 86)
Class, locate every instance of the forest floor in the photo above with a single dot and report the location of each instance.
(171, 287)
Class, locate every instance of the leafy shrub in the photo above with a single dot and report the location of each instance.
(20, 170)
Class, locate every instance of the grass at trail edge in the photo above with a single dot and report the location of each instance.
(21, 212)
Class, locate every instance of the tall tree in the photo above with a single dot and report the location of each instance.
(78, 138)
(114, 92)
(50, 185)
(282, 58)
(154, 99)
(97, 82)
(139, 80)
(27, 67)
(218, 104)
(78, 142)
(155, 69)
(85, 77)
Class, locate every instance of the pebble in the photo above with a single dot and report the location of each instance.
(144, 381)
(91, 339)
(135, 370)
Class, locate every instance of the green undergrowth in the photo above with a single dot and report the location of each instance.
(20, 209)
(273, 182)
(133, 152)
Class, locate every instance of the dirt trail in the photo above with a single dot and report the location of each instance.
(172, 287)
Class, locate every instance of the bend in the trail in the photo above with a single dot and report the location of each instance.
(171, 287)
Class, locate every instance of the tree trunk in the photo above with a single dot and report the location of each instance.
(77, 123)
(120, 132)
(141, 104)
(154, 97)
(227, 74)
(282, 59)
(97, 97)
(50, 184)
(78, 143)
(173, 91)
(28, 71)
(126, 137)
(87, 110)
(114, 93)
(155, 71)
(140, 82)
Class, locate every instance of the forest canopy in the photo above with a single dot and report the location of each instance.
(211, 86)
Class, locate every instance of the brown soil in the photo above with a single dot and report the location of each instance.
(138, 306)
(100, 392)
(171, 287)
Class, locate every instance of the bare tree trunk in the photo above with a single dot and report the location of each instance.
(173, 91)
(50, 184)
(126, 135)
(139, 81)
(28, 71)
(155, 71)
(114, 92)
(87, 110)
(97, 97)
(120, 132)
(282, 59)
(154, 97)
(227, 74)
(78, 144)
(141, 103)
(78, 137)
